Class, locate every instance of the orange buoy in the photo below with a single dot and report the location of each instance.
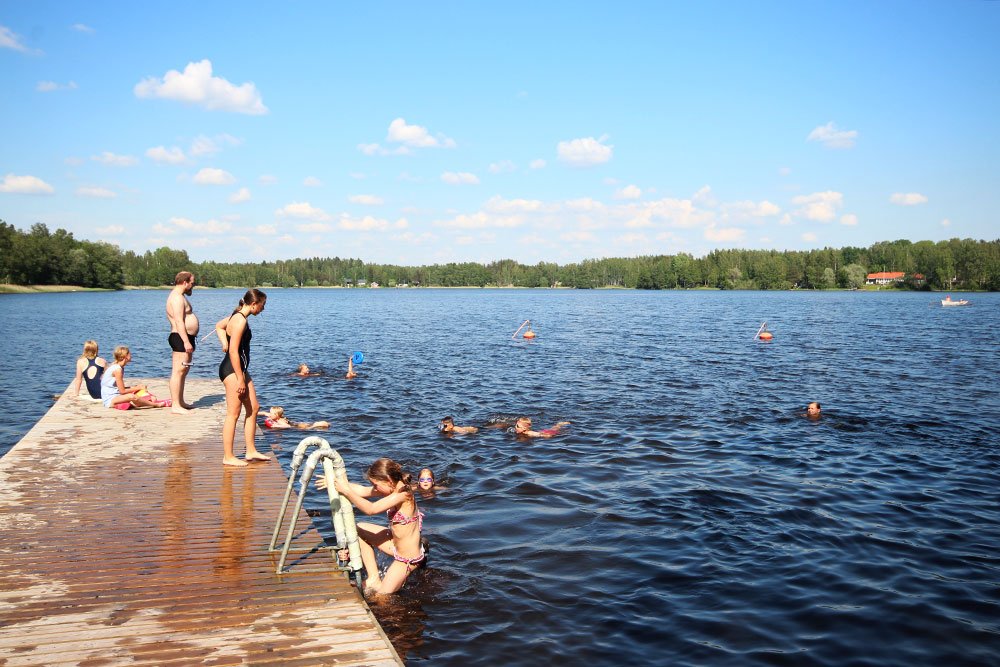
(766, 335)
(529, 334)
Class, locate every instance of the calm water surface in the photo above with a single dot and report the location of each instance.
(689, 516)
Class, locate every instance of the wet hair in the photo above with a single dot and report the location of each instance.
(387, 470)
(302, 368)
(430, 473)
(252, 297)
(89, 349)
(121, 352)
(816, 403)
(448, 420)
(183, 277)
(278, 411)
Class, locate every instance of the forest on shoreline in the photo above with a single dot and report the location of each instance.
(41, 257)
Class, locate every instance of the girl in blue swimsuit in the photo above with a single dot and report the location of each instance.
(241, 396)
(401, 539)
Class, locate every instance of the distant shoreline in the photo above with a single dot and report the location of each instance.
(55, 289)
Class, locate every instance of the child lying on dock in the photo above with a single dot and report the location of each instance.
(275, 418)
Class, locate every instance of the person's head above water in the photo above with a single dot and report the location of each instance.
(276, 412)
(303, 369)
(813, 409)
(447, 424)
(425, 481)
(522, 425)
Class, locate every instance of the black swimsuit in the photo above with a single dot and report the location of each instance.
(93, 383)
(226, 367)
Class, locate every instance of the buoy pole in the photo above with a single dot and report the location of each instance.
(519, 330)
(762, 327)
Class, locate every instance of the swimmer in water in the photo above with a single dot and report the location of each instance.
(275, 418)
(522, 429)
(350, 375)
(813, 411)
(447, 425)
(303, 371)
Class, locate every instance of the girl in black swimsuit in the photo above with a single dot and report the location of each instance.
(234, 334)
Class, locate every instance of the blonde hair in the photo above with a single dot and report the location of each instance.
(303, 367)
(121, 352)
(89, 349)
(278, 411)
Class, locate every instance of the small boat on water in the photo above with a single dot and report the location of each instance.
(947, 301)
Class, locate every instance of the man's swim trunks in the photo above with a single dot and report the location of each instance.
(177, 345)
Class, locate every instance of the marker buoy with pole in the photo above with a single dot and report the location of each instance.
(763, 333)
(519, 330)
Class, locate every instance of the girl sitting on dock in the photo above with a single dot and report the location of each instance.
(115, 394)
(89, 368)
(401, 539)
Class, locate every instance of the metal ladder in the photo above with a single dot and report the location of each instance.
(340, 508)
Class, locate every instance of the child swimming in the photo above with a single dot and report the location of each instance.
(522, 429)
(447, 425)
(401, 539)
(275, 418)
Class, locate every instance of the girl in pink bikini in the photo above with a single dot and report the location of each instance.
(401, 539)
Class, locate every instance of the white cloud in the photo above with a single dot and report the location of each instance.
(498, 204)
(503, 167)
(312, 182)
(314, 228)
(111, 230)
(303, 211)
(538, 163)
(97, 193)
(704, 197)
(629, 192)
(742, 210)
(585, 152)
(197, 86)
(74, 161)
(946, 223)
(80, 27)
(810, 237)
(25, 185)
(52, 86)
(212, 176)
(163, 230)
(11, 40)
(366, 200)
(164, 155)
(831, 137)
(209, 227)
(415, 136)
(240, 196)
(849, 219)
(113, 160)
(267, 179)
(784, 171)
(585, 204)
(266, 230)
(481, 220)
(632, 238)
(459, 178)
(203, 145)
(580, 236)
(908, 198)
(820, 206)
(724, 234)
(371, 224)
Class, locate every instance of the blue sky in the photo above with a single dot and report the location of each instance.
(420, 133)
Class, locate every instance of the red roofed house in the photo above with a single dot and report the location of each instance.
(885, 277)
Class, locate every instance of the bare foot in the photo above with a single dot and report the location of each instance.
(178, 410)
(234, 462)
(256, 456)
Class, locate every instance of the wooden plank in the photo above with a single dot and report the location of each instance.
(124, 541)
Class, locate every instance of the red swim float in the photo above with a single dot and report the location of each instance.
(766, 335)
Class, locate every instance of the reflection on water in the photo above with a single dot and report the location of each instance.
(689, 515)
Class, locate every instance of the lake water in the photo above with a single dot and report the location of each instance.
(689, 516)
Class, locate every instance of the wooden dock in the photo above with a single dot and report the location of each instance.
(124, 541)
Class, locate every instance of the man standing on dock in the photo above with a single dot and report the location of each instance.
(183, 334)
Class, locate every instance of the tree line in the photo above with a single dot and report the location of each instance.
(39, 257)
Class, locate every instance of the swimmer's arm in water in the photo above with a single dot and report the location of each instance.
(220, 331)
(465, 429)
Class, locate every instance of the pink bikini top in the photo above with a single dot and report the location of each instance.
(403, 520)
